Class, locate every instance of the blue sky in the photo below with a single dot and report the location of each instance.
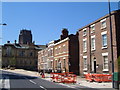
(46, 19)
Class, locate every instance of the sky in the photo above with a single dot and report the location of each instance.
(46, 19)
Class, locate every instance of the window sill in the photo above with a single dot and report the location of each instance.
(92, 49)
(92, 32)
(84, 51)
(84, 35)
(103, 28)
(85, 69)
(105, 70)
(104, 47)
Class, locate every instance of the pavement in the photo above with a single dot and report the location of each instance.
(81, 82)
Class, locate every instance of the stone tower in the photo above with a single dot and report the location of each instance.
(25, 37)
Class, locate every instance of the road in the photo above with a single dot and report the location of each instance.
(17, 81)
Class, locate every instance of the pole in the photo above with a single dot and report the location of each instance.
(90, 68)
(118, 5)
(111, 44)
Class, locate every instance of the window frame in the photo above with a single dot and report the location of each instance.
(102, 34)
(93, 48)
(85, 63)
(91, 28)
(102, 25)
(105, 55)
(84, 33)
(85, 45)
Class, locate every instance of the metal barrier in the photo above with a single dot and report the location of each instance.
(99, 77)
(63, 77)
(89, 77)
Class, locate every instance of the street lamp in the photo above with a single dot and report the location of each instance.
(1, 48)
(114, 84)
(3, 24)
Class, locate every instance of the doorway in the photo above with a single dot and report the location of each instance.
(94, 66)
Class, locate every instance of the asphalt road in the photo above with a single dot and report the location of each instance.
(9, 80)
(15, 81)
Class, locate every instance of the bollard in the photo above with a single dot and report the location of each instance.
(43, 75)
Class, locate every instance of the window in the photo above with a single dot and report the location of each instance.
(92, 43)
(50, 64)
(92, 27)
(84, 32)
(56, 51)
(59, 64)
(103, 23)
(8, 51)
(84, 45)
(104, 40)
(22, 53)
(64, 63)
(31, 54)
(84, 63)
(105, 64)
(59, 49)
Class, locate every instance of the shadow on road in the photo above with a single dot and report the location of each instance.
(12, 75)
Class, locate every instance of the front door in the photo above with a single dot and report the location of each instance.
(94, 66)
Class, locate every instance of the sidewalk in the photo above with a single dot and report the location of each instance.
(83, 82)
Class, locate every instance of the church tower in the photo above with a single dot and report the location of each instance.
(25, 37)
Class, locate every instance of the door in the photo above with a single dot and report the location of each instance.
(94, 66)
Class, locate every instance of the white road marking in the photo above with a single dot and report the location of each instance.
(5, 83)
(43, 87)
(0, 83)
(32, 81)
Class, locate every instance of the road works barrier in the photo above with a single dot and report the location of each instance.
(98, 77)
(89, 77)
(63, 77)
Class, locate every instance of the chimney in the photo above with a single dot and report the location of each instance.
(64, 34)
(15, 41)
(8, 41)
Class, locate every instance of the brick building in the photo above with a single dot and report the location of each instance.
(42, 60)
(23, 54)
(66, 57)
(94, 45)
(46, 58)
(62, 54)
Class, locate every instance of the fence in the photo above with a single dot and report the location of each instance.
(67, 77)
(98, 77)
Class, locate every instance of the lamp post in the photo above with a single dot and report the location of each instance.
(110, 23)
(3, 24)
(114, 82)
(119, 5)
(1, 47)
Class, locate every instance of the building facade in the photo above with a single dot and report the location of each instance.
(46, 58)
(62, 54)
(23, 54)
(95, 45)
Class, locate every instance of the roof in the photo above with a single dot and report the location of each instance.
(25, 46)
